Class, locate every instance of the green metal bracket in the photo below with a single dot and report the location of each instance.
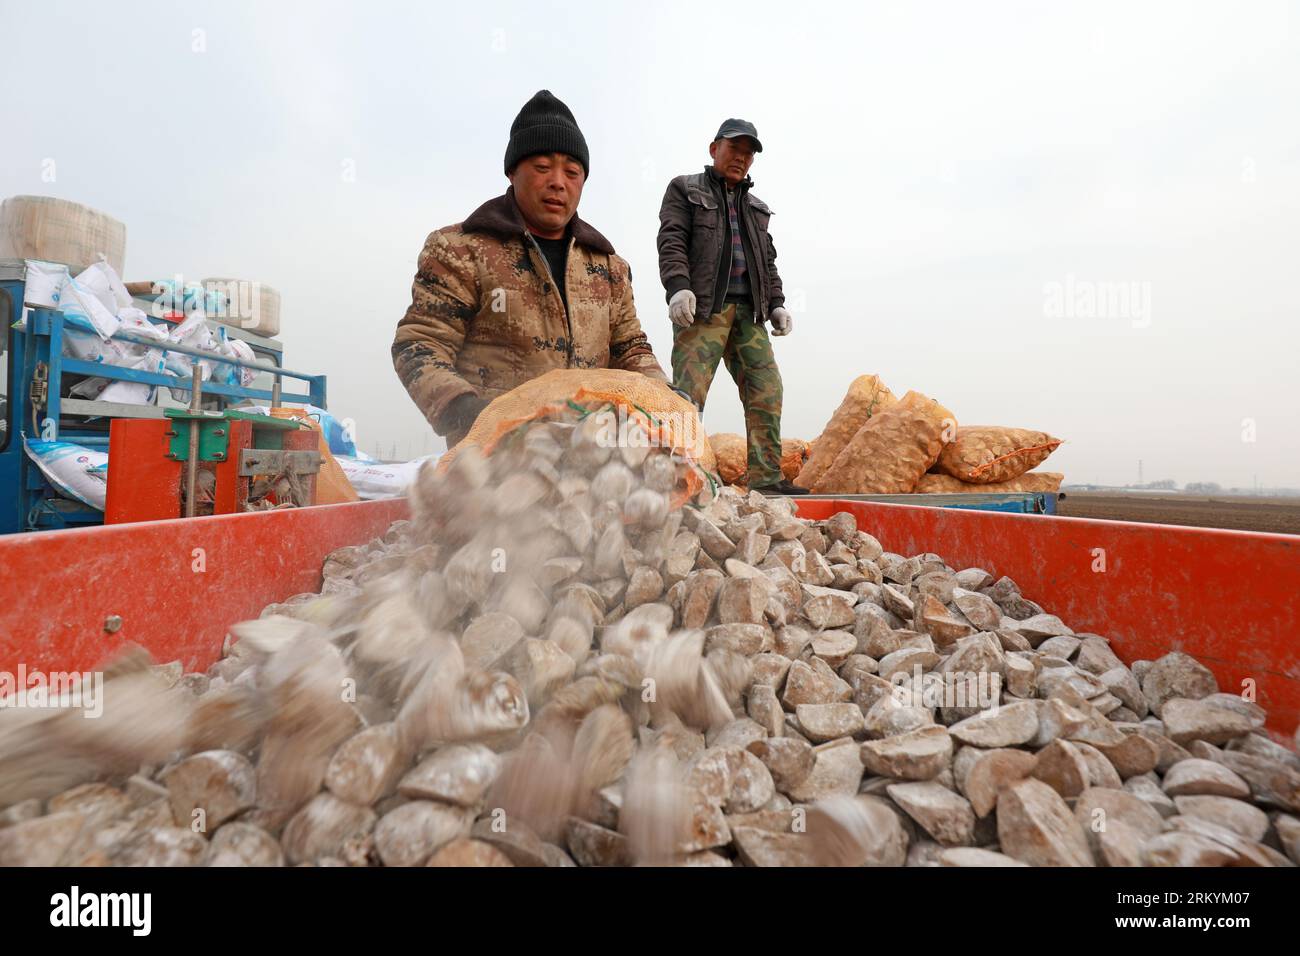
(214, 432)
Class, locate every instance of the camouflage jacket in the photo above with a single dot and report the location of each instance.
(485, 316)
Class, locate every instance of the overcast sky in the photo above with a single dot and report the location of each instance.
(962, 191)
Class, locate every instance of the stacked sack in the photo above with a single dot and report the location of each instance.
(97, 307)
(878, 444)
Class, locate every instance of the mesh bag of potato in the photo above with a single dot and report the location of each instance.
(986, 454)
(671, 421)
(1031, 481)
(890, 453)
(867, 395)
(794, 452)
(730, 451)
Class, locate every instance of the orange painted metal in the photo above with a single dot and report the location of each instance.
(143, 483)
(1231, 599)
(176, 585)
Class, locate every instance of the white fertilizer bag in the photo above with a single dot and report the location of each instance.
(42, 283)
(101, 281)
(77, 302)
(82, 342)
(375, 479)
(236, 349)
(136, 393)
(193, 332)
(77, 472)
(137, 323)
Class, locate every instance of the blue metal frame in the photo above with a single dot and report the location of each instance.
(27, 500)
(11, 454)
(47, 328)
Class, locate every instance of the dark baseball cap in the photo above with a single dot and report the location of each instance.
(738, 127)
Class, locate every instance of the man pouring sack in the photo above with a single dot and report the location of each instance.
(521, 287)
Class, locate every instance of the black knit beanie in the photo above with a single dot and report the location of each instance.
(545, 125)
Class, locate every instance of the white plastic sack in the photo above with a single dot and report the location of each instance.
(115, 282)
(42, 283)
(136, 393)
(378, 480)
(236, 349)
(136, 322)
(88, 388)
(75, 302)
(82, 343)
(77, 472)
(102, 281)
(193, 332)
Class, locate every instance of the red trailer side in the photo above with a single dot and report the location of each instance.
(177, 585)
(1231, 599)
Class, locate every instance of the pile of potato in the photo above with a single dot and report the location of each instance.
(551, 664)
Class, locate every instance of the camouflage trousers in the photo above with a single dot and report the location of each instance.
(733, 336)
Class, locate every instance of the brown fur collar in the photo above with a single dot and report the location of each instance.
(501, 216)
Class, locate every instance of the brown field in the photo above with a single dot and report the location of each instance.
(1276, 515)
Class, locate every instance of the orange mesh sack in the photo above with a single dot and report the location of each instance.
(985, 454)
(866, 396)
(891, 451)
(671, 420)
(1031, 481)
(732, 454)
(794, 452)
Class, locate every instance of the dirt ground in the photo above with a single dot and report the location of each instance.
(1276, 515)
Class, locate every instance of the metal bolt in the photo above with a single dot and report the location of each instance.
(113, 623)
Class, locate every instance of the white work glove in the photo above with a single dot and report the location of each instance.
(782, 323)
(681, 308)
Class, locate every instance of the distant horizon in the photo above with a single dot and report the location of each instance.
(1270, 492)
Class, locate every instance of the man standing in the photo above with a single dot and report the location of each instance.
(521, 287)
(718, 265)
